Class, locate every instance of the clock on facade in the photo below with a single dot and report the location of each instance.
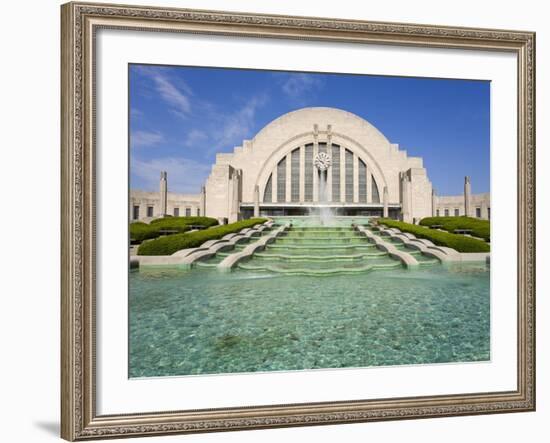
(322, 161)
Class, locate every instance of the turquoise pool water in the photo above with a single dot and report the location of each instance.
(201, 321)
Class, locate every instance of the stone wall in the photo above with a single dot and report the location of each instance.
(175, 202)
(454, 205)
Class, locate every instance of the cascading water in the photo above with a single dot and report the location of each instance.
(324, 244)
(326, 214)
(320, 251)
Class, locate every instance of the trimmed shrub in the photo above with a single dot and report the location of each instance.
(181, 222)
(480, 228)
(173, 243)
(140, 231)
(440, 238)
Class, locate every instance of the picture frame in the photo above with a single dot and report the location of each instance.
(80, 23)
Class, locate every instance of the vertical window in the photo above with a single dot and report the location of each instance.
(349, 176)
(489, 213)
(335, 170)
(198, 212)
(295, 175)
(456, 212)
(362, 181)
(281, 180)
(437, 213)
(135, 212)
(322, 147)
(375, 193)
(478, 212)
(176, 212)
(308, 173)
(267, 192)
(446, 212)
(188, 212)
(149, 211)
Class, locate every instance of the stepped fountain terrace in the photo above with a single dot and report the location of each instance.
(318, 250)
(307, 293)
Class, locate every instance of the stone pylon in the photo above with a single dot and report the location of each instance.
(203, 201)
(234, 186)
(163, 193)
(406, 198)
(467, 197)
(386, 202)
(256, 201)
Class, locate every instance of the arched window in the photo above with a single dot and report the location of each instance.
(281, 180)
(308, 173)
(295, 175)
(347, 175)
(268, 190)
(335, 173)
(375, 193)
(362, 182)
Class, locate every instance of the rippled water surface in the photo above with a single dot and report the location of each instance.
(202, 321)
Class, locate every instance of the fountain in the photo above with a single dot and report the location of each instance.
(320, 244)
(326, 216)
(325, 213)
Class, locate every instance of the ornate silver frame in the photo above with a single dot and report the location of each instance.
(80, 21)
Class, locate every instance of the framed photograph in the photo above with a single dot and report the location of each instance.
(277, 221)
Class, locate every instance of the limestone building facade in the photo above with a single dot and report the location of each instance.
(145, 205)
(310, 159)
(454, 205)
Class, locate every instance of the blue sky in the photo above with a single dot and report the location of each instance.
(180, 117)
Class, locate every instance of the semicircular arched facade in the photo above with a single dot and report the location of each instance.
(298, 170)
(316, 157)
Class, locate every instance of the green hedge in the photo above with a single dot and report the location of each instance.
(178, 222)
(480, 228)
(173, 243)
(142, 231)
(455, 241)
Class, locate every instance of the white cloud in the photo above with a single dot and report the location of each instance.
(145, 139)
(172, 95)
(174, 92)
(220, 129)
(240, 124)
(195, 136)
(134, 112)
(298, 85)
(184, 175)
